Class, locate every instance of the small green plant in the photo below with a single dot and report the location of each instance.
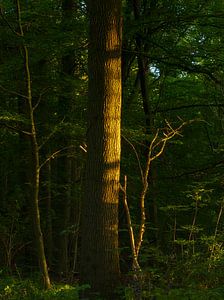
(14, 289)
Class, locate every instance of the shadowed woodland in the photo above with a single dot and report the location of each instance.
(111, 149)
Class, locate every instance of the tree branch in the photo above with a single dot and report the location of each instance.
(8, 24)
(15, 129)
(12, 92)
(187, 106)
(53, 155)
(136, 154)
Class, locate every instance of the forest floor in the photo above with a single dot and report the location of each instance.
(12, 288)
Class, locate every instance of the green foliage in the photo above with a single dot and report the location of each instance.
(182, 46)
(191, 294)
(14, 289)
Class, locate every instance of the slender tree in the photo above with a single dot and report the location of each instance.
(35, 180)
(99, 255)
(64, 163)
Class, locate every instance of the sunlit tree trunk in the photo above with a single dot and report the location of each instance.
(99, 253)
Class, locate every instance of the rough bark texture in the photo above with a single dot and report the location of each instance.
(99, 255)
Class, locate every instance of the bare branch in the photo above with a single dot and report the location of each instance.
(53, 155)
(40, 97)
(188, 106)
(12, 92)
(153, 145)
(160, 152)
(136, 154)
(50, 135)
(15, 129)
(130, 227)
(8, 24)
(83, 147)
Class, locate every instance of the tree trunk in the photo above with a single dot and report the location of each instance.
(35, 160)
(143, 67)
(99, 253)
(66, 103)
(49, 229)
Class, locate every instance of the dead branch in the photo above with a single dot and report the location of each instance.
(135, 263)
(7, 23)
(53, 155)
(155, 143)
(12, 92)
(136, 154)
(44, 91)
(15, 129)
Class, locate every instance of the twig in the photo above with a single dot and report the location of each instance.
(218, 220)
(83, 147)
(136, 154)
(8, 24)
(53, 155)
(154, 144)
(12, 92)
(40, 97)
(49, 136)
(215, 234)
(16, 129)
(135, 263)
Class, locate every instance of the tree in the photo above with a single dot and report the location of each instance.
(64, 164)
(172, 64)
(99, 254)
(35, 181)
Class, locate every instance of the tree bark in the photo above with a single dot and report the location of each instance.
(143, 66)
(35, 160)
(99, 253)
(65, 104)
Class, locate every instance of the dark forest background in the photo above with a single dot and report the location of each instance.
(172, 78)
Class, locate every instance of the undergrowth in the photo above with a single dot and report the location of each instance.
(14, 289)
